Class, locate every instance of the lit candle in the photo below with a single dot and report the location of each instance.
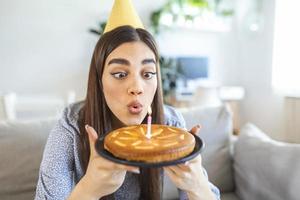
(148, 134)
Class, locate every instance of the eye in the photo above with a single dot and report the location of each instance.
(149, 75)
(119, 75)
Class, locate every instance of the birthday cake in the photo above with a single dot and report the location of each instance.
(165, 144)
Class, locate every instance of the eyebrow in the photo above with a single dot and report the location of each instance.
(150, 60)
(119, 61)
(123, 61)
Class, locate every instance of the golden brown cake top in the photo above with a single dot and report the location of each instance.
(164, 139)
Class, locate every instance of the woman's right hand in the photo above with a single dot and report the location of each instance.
(102, 176)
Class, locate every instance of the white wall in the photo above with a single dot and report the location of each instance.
(260, 106)
(45, 46)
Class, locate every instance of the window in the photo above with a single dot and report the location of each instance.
(286, 49)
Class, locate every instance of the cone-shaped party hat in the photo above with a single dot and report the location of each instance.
(123, 13)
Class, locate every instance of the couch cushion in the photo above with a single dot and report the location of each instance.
(216, 129)
(21, 148)
(229, 196)
(264, 168)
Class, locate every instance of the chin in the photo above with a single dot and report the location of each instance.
(134, 122)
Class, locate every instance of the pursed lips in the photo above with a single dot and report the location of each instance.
(135, 107)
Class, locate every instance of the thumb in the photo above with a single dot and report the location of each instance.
(195, 130)
(93, 136)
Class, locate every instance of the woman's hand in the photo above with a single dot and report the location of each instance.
(190, 178)
(102, 177)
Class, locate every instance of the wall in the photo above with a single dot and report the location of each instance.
(261, 105)
(45, 46)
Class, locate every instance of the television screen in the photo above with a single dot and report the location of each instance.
(193, 67)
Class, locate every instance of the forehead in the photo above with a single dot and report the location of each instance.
(132, 51)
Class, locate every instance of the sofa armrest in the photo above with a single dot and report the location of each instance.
(265, 168)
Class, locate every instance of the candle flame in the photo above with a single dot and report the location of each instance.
(149, 110)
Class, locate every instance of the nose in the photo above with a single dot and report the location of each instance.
(136, 87)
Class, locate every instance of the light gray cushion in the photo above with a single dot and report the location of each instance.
(264, 168)
(216, 129)
(229, 196)
(21, 148)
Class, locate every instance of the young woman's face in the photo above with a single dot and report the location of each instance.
(129, 81)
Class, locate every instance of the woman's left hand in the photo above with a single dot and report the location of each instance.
(190, 178)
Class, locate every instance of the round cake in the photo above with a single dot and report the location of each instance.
(166, 143)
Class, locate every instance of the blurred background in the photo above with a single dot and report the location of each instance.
(242, 53)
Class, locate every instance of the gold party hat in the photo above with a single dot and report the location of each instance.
(123, 13)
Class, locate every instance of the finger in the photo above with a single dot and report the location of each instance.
(93, 136)
(195, 130)
(194, 164)
(172, 176)
(128, 168)
(170, 173)
(196, 160)
(185, 167)
(178, 171)
(118, 175)
(103, 163)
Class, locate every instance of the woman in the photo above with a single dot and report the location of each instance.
(123, 81)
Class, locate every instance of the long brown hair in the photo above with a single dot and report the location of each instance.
(96, 113)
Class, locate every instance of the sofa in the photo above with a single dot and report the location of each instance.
(251, 166)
